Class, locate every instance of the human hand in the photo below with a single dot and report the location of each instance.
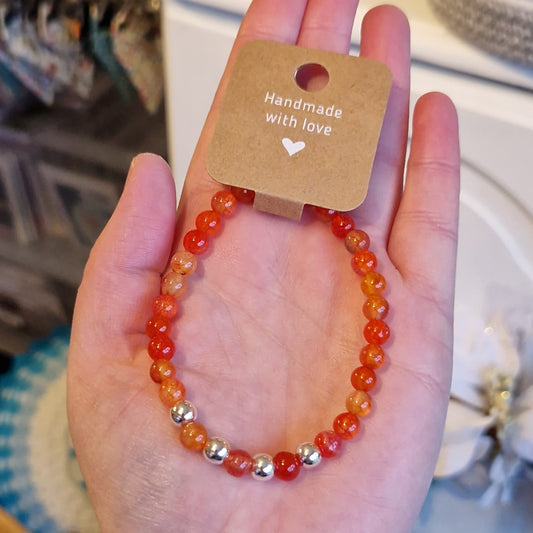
(270, 329)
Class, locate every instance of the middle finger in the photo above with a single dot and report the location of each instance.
(327, 25)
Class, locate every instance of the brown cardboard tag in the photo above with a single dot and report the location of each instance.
(292, 146)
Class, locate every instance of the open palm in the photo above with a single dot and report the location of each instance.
(271, 326)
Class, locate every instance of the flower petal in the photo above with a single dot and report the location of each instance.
(463, 441)
(522, 427)
(465, 377)
(499, 349)
(481, 352)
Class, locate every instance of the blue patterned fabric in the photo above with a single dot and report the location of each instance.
(32, 451)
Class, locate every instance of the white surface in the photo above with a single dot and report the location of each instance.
(197, 45)
(494, 243)
(432, 42)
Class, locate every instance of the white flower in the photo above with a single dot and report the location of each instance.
(491, 404)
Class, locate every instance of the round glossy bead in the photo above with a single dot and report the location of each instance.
(373, 283)
(195, 241)
(208, 222)
(359, 403)
(182, 412)
(245, 196)
(326, 215)
(183, 262)
(173, 283)
(157, 324)
(286, 466)
(309, 454)
(372, 356)
(363, 378)
(356, 240)
(193, 436)
(329, 443)
(165, 305)
(238, 463)
(341, 225)
(171, 391)
(162, 369)
(376, 307)
(364, 261)
(346, 426)
(161, 347)
(376, 332)
(262, 467)
(216, 450)
(224, 203)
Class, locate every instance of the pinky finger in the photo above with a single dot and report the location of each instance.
(423, 241)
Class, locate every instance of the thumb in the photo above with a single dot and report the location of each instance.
(122, 274)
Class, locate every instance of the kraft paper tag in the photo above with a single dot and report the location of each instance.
(293, 146)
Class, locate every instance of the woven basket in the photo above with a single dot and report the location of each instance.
(501, 27)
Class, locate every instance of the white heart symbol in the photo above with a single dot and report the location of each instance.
(292, 147)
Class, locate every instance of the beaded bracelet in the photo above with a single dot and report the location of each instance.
(284, 465)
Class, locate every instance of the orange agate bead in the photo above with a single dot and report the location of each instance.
(363, 378)
(364, 261)
(171, 391)
(373, 283)
(341, 225)
(162, 369)
(346, 426)
(359, 403)
(238, 463)
(161, 347)
(224, 203)
(376, 307)
(173, 283)
(286, 466)
(329, 443)
(326, 215)
(245, 196)
(183, 263)
(195, 241)
(193, 436)
(165, 305)
(372, 356)
(356, 240)
(376, 332)
(157, 324)
(208, 222)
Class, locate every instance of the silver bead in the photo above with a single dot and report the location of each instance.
(183, 411)
(263, 467)
(216, 450)
(309, 454)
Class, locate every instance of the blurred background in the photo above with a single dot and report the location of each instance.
(87, 84)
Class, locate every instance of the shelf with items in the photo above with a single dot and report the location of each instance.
(61, 174)
(80, 95)
(52, 52)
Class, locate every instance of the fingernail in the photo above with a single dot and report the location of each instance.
(136, 160)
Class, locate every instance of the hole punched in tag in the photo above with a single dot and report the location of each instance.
(311, 77)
